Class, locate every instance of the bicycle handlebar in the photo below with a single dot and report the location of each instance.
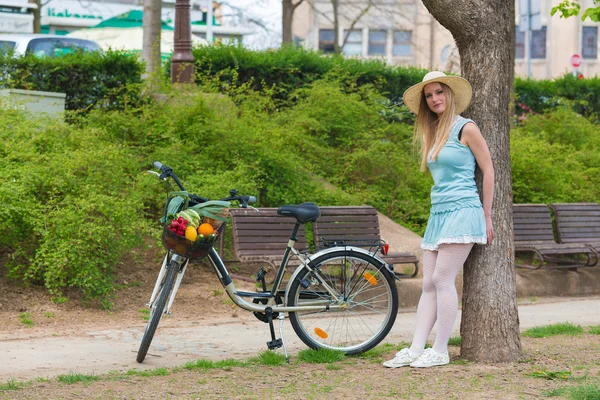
(167, 172)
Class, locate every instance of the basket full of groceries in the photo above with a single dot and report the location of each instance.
(191, 229)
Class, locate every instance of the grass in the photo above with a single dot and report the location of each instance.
(551, 375)
(270, 358)
(49, 314)
(145, 313)
(153, 372)
(74, 377)
(26, 320)
(594, 330)
(582, 392)
(377, 351)
(565, 328)
(321, 356)
(207, 364)
(455, 341)
(11, 384)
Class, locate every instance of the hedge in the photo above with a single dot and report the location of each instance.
(107, 79)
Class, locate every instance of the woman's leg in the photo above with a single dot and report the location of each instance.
(427, 308)
(450, 259)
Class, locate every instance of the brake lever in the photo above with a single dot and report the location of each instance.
(155, 173)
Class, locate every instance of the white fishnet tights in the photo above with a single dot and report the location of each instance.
(439, 300)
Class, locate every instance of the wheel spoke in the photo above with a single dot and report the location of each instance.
(371, 304)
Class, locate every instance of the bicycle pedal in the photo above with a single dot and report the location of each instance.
(274, 344)
(260, 275)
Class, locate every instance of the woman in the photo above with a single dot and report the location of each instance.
(451, 146)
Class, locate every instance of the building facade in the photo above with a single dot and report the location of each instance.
(402, 32)
(63, 16)
(16, 16)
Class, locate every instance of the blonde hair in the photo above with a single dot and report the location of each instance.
(432, 131)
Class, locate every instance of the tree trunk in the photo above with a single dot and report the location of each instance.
(287, 16)
(336, 27)
(152, 29)
(37, 16)
(484, 31)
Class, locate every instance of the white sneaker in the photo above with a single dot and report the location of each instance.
(431, 358)
(402, 359)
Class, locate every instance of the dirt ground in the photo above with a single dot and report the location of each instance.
(561, 362)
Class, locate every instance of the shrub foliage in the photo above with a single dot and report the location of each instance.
(110, 80)
(76, 197)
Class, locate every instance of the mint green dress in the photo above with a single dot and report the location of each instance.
(456, 214)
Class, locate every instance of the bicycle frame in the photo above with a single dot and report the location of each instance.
(239, 298)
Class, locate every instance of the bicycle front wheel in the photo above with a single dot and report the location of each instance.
(366, 287)
(158, 309)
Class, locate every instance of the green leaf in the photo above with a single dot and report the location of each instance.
(173, 208)
(211, 203)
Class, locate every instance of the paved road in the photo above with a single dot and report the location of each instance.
(176, 342)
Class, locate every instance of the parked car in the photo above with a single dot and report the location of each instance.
(43, 45)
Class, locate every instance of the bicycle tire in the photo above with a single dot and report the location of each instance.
(158, 308)
(367, 285)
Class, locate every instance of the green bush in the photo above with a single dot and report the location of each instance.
(110, 80)
(77, 199)
(73, 209)
(555, 159)
(289, 68)
(540, 96)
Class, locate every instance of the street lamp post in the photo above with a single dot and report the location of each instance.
(182, 63)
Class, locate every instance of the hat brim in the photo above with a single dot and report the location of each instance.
(460, 87)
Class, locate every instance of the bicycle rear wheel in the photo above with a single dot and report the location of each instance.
(369, 290)
(158, 308)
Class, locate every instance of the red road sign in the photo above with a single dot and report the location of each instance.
(576, 60)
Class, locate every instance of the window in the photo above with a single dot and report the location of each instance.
(52, 47)
(6, 46)
(538, 43)
(402, 43)
(377, 41)
(520, 44)
(353, 45)
(326, 41)
(589, 41)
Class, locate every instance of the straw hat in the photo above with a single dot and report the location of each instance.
(460, 87)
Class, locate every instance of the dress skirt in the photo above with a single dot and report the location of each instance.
(457, 224)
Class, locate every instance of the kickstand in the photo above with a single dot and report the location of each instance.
(281, 318)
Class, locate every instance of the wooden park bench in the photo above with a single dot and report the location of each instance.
(534, 233)
(359, 226)
(261, 236)
(578, 223)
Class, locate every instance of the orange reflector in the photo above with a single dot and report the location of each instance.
(370, 278)
(321, 333)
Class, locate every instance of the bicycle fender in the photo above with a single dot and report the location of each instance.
(323, 252)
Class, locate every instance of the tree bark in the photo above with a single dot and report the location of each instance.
(37, 16)
(288, 7)
(152, 24)
(484, 31)
(336, 27)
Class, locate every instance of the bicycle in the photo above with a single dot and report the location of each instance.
(340, 298)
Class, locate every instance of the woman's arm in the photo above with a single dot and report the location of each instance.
(473, 138)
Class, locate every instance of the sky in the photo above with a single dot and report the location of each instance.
(268, 12)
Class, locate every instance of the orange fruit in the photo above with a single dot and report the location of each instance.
(205, 229)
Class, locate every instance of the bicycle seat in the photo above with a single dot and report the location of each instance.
(305, 212)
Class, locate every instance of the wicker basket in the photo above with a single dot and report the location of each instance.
(186, 248)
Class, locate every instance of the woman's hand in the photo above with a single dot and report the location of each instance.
(489, 229)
